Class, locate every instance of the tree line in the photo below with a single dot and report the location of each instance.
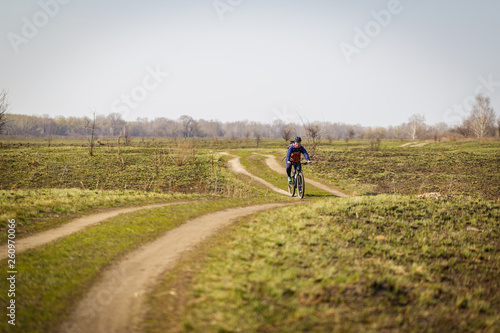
(480, 123)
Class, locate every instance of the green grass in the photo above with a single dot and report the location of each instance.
(451, 168)
(384, 263)
(52, 278)
(176, 168)
(112, 143)
(38, 209)
(256, 165)
(42, 209)
(190, 166)
(378, 263)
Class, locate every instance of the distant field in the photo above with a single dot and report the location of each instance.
(452, 168)
(205, 143)
(42, 187)
(174, 167)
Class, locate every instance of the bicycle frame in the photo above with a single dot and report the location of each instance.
(296, 168)
(298, 182)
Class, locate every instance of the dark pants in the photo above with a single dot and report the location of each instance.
(289, 168)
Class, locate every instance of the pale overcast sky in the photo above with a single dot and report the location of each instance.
(367, 62)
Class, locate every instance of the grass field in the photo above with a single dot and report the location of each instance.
(256, 165)
(452, 168)
(384, 263)
(178, 167)
(391, 262)
(53, 277)
(383, 260)
(42, 209)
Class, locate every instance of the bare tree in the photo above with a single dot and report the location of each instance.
(375, 135)
(126, 135)
(258, 138)
(48, 127)
(90, 129)
(286, 133)
(416, 126)
(210, 128)
(498, 127)
(313, 131)
(350, 134)
(464, 129)
(28, 125)
(189, 126)
(115, 122)
(482, 118)
(4, 108)
(439, 130)
(161, 127)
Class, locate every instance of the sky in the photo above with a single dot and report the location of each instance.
(367, 62)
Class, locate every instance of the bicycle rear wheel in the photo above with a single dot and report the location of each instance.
(301, 186)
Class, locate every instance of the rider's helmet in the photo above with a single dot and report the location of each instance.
(297, 139)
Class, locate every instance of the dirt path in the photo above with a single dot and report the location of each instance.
(115, 304)
(420, 144)
(408, 144)
(280, 168)
(67, 229)
(236, 166)
(414, 144)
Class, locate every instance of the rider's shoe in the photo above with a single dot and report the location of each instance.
(289, 180)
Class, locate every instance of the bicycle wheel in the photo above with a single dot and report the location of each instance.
(292, 185)
(291, 188)
(301, 185)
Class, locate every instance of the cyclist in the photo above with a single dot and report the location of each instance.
(293, 155)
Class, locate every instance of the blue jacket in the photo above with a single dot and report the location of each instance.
(292, 149)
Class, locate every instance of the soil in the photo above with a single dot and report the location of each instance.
(408, 144)
(116, 303)
(76, 225)
(236, 166)
(275, 166)
(414, 144)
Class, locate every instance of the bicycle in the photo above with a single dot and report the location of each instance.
(297, 182)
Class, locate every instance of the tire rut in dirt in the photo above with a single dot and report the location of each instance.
(116, 303)
(71, 227)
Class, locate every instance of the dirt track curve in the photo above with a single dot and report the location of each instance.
(275, 166)
(236, 166)
(76, 225)
(414, 144)
(116, 303)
